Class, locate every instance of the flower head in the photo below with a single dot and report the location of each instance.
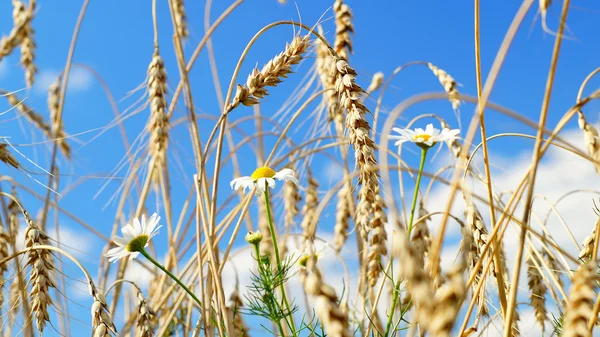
(424, 138)
(135, 238)
(263, 177)
(254, 237)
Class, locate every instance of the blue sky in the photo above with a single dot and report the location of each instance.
(116, 41)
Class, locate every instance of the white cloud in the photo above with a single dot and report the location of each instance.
(559, 172)
(79, 80)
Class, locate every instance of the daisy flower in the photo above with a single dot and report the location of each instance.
(263, 177)
(424, 138)
(135, 238)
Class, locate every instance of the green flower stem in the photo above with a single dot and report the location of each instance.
(278, 259)
(187, 290)
(416, 194)
(410, 227)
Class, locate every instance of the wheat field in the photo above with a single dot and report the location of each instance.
(180, 168)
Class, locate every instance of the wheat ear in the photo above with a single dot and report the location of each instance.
(271, 74)
(42, 265)
(369, 201)
(180, 18)
(343, 28)
(581, 301)
(333, 318)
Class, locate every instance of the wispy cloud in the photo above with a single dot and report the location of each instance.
(79, 80)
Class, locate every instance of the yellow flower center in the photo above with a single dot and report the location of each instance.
(262, 172)
(422, 138)
(138, 243)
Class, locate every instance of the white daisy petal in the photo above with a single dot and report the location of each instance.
(425, 138)
(141, 231)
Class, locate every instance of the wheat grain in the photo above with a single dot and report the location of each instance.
(587, 247)
(448, 300)
(377, 241)
(449, 84)
(28, 51)
(342, 216)
(591, 140)
(20, 20)
(13, 217)
(325, 63)
(334, 319)
(369, 202)
(309, 225)
(376, 82)
(57, 124)
(453, 144)
(343, 28)
(418, 282)
(239, 327)
(271, 74)
(291, 198)
(158, 126)
(180, 18)
(538, 291)
(420, 238)
(145, 316)
(4, 243)
(102, 323)
(581, 301)
(41, 280)
(471, 250)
